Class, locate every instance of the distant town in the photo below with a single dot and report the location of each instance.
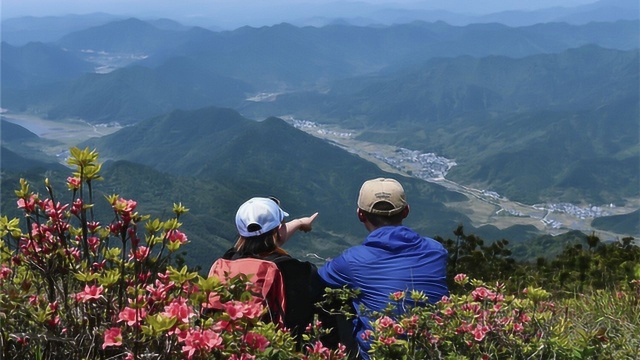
(433, 168)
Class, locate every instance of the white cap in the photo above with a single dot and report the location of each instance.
(264, 214)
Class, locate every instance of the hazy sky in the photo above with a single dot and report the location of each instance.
(236, 10)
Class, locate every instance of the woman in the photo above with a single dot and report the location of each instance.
(262, 232)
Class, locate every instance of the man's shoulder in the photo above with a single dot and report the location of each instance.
(355, 253)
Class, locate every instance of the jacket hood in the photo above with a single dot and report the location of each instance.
(392, 238)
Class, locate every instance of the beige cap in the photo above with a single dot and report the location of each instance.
(381, 189)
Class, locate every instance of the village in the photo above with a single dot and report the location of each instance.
(433, 168)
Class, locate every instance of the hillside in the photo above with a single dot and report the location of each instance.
(626, 224)
(230, 158)
(279, 58)
(567, 114)
(134, 93)
(36, 64)
(540, 113)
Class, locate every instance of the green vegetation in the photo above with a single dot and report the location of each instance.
(212, 158)
(76, 287)
(509, 104)
(627, 224)
(511, 124)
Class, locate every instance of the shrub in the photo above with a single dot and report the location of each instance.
(73, 288)
(485, 323)
(76, 288)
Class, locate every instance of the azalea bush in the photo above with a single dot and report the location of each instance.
(483, 322)
(76, 288)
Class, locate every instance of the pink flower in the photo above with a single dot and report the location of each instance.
(387, 340)
(196, 340)
(131, 317)
(221, 326)
(54, 211)
(179, 309)
(53, 321)
(397, 296)
(464, 328)
(73, 182)
(234, 309)
(518, 327)
(76, 207)
(481, 293)
(141, 253)
(29, 205)
(461, 279)
(242, 356)
(93, 226)
(124, 205)
(256, 341)
(472, 307)
(449, 312)
(177, 236)
(34, 300)
(367, 334)
(159, 291)
(386, 322)
(479, 332)
(93, 242)
(319, 348)
(74, 253)
(5, 272)
(237, 310)
(112, 337)
(90, 293)
(125, 209)
(115, 227)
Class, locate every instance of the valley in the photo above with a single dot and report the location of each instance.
(61, 134)
(484, 207)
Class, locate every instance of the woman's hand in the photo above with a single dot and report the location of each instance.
(288, 229)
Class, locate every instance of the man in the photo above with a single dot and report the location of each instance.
(392, 258)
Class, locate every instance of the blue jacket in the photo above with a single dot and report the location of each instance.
(391, 259)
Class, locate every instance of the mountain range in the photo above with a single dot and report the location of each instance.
(195, 68)
(20, 30)
(537, 113)
(572, 115)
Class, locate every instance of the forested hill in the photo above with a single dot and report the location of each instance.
(213, 159)
(178, 68)
(571, 116)
(545, 113)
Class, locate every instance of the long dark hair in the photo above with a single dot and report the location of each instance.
(257, 245)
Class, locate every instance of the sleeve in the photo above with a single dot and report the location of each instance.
(337, 273)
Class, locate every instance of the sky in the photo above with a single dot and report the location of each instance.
(274, 11)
